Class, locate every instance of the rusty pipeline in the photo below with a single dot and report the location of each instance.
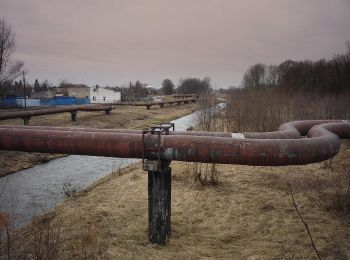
(77, 129)
(185, 95)
(156, 103)
(291, 130)
(48, 111)
(322, 142)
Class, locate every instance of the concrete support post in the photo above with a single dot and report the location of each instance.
(148, 107)
(73, 116)
(159, 204)
(26, 120)
(108, 111)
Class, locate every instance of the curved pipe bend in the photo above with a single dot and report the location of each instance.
(323, 142)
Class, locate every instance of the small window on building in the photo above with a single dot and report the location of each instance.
(94, 90)
(94, 98)
(104, 98)
(86, 97)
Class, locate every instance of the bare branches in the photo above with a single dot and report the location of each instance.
(9, 70)
(7, 43)
(167, 87)
(302, 220)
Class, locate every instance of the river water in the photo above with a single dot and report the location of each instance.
(31, 192)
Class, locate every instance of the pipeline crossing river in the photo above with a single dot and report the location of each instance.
(33, 191)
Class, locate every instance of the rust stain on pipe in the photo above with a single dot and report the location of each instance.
(72, 142)
(322, 143)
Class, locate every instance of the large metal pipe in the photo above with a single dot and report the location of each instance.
(257, 152)
(288, 131)
(323, 143)
(185, 96)
(153, 103)
(122, 145)
(48, 111)
(77, 129)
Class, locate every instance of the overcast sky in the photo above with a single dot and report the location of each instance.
(115, 41)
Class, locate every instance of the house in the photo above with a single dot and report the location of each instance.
(48, 93)
(104, 95)
(77, 91)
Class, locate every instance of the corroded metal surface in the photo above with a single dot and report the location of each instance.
(185, 95)
(322, 143)
(155, 103)
(198, 133)
(48, 111)
(72, 142)
(290, 130)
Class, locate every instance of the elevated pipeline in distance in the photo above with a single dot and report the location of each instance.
(154, 103)
(48, 111)
(322, 142)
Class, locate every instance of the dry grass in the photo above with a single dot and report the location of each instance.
(121, 117)
(266, 109)
(248, 215)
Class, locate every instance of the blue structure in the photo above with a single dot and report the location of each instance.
(14, 101)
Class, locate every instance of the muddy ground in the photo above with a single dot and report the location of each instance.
(249, 214)
(120, 117)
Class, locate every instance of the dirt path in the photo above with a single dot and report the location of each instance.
(249, 215)
(121, 117)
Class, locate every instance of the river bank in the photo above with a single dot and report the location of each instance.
(248, 215)
(120, 117)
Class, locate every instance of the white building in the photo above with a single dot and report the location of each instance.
(103, 95)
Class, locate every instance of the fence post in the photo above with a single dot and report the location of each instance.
(159, 202)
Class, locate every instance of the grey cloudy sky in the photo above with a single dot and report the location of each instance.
(115, 41)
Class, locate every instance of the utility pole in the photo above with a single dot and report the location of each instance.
(24, 91)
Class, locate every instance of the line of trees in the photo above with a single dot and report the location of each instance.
(292, 90)
(187, 86)
(322, 76)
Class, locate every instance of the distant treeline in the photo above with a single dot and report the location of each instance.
(186, 86)
(322, 76)
(294, 90)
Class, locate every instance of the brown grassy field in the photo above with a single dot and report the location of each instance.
(120, 117)
(248, 215)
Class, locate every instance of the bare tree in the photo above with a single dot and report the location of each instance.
(167, 87)
(9, 70)
(194, 86)
(254, 77)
